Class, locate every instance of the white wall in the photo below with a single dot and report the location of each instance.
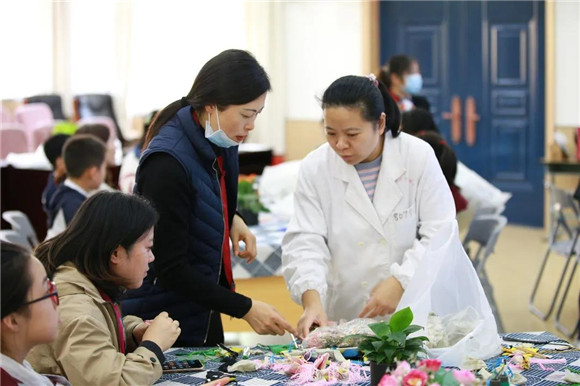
(322, 42)
(567, 63)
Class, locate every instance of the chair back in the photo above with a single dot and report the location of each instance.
(21, 224)
(484, 210)
(6, 115)
(12, 141)
(484, 230)
(11, 236)
(54, 101)
(103, 120)
(40, 135)
(564, 213)
(33, 116)
(97, 105)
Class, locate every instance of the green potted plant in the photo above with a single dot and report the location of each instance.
(249, 204)
(391, 343)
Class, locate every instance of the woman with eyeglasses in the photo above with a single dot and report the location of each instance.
(29, 315)
(105, 250)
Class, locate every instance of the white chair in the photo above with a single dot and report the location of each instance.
(563, 241)
(484, 230)
(21, 224)
(11, 236)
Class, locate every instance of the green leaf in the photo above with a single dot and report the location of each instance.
(401, 319)
(381, 358)
(366, 346)
(382, 329)
(448, 379)
(399, 337)
(411, 329)
(377, 345)
(389, 354)
(413, 345)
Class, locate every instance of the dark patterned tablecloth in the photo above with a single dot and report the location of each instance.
(268, 262)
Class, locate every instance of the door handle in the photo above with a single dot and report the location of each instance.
(471, 118)
(455, 117)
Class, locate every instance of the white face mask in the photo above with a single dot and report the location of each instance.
(219, 137)
(413, 83)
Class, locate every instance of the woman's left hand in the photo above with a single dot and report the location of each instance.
(384, 299)
(240, 232)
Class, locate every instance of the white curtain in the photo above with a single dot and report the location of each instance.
(26, 68)
(146, 54)
(265, 31)
(170, 44)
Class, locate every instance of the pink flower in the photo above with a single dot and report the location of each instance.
(402, 369)
(430, 365)
(388, 380)
(415, 378)
(464, 377)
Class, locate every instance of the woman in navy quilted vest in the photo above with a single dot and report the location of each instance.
(189, 170)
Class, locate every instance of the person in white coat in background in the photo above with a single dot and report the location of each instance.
(367, 203)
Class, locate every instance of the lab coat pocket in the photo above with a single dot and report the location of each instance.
(403, 228)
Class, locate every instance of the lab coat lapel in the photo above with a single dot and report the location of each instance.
(387, 193)
(355, 194)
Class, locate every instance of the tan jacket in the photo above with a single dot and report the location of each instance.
(86, 350)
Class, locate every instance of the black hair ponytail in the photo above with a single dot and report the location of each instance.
(367, 94)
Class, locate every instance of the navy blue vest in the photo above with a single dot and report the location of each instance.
(184, 140)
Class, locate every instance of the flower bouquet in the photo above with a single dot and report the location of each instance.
(427, 372)
(249, 204)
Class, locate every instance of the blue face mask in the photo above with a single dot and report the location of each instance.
(219, 137)
(413, 83)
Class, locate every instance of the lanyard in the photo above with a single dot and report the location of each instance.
(227, 257)
(120, 327)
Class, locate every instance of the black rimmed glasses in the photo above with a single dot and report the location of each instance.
(52, 293)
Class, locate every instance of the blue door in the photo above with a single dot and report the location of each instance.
(483, 73)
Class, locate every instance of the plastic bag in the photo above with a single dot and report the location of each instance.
(343, 334)
(478, 191)
(446, 284)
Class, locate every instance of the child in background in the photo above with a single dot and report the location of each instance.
(84, 159)
(419, 122)
(448, 162)
(131, 160)
(29, 316)
(105, 250)
(53, 151)
(403, 79)
(104, 134)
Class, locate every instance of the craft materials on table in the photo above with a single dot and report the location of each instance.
(547, 363)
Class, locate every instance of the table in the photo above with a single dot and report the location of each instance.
(535, 375)
(254, 157)
(22, 190)
(556, 167)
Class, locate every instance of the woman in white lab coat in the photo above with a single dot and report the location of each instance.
(366, 205)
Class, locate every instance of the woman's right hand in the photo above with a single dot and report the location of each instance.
(313, 314)
(265, 319)
(163, 331)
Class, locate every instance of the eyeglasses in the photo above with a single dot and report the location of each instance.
(52, 293)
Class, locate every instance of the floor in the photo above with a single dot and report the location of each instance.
(512, 271)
